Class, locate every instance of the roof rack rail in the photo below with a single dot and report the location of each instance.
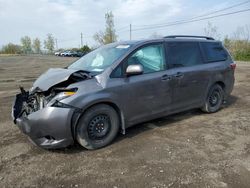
(189, 36)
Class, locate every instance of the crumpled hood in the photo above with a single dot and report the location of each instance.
(52, 77)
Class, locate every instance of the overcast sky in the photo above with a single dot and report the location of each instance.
(66, 19)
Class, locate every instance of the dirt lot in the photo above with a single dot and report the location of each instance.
(190, 149)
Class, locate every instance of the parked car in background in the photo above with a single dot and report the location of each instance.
(57, 53)
(69, 54)
(80, 54)
(65, 53)
(122, 84)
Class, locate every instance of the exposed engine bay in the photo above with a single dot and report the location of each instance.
(36, 99)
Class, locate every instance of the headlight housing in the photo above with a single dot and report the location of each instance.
(55, 102)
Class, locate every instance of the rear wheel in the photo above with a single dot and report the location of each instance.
(214, 99)
(97, 127)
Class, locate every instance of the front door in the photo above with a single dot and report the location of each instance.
(147, 95)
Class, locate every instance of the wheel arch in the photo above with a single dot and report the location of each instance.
(211, 84)
(221, 83)
(77, 115)
(205, 107)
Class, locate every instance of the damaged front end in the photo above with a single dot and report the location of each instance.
(26, 103)
(40, 114)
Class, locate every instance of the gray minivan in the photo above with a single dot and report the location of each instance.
(122, 84)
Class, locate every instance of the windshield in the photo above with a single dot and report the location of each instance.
(101, 58)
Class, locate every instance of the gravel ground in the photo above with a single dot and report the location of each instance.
(189, 149)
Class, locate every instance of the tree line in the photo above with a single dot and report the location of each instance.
(238, 45)
(29, 46)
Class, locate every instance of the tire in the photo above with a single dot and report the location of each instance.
(97, 127)
(214, 99)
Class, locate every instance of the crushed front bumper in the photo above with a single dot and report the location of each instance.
(49, 128)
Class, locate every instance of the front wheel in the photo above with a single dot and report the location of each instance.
(214, 99)
(97, 127)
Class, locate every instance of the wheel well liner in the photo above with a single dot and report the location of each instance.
(222, 84)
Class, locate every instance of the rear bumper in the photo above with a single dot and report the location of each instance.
(49, 128)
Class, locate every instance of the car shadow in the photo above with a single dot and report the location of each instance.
(137, 129)
(230, 101)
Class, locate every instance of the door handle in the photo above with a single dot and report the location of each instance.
(166, 77)
(178, 75)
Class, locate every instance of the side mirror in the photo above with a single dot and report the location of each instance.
(134, 70)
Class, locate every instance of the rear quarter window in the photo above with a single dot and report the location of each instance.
(213, 51)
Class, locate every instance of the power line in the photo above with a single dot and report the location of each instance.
(179, 22)
(223, 9)
(195, 20)
(192, 19)
(199, 16)
(122, 28)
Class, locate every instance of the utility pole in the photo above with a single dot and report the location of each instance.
(130, 31)
(56, 44)
(81, 40)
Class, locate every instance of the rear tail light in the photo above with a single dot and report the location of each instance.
(233, 66)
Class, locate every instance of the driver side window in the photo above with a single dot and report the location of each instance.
(150, 57)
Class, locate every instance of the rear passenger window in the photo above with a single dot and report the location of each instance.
(183, 54)
(213, 51)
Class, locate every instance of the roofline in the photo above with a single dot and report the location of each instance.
(189, 36)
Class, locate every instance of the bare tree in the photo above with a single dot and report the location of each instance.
(49, 43)
(99, 37)
(242, 33)
(239, 44)
(227, 42)
(211, 31)
(37, 45)
(109, 35)
(26, 44)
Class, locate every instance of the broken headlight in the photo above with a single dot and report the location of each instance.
(55, 102)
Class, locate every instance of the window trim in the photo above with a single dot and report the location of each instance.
(123, 63)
